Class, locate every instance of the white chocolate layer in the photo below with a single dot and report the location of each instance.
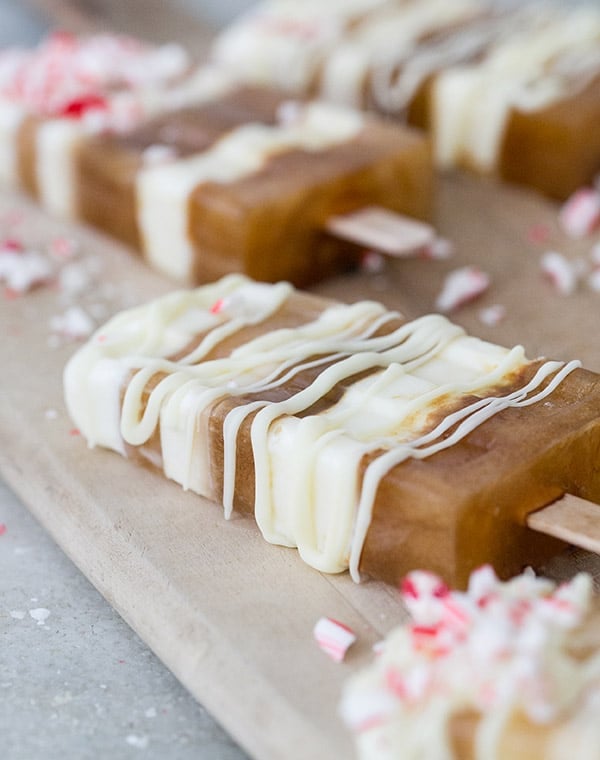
(308, 492)
(163, 192)
(56, 146)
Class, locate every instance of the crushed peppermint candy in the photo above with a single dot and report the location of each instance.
(333, 637)
(580, 215)
(461, 286)
(497, 648)
(560, 272)
(75, 323)
(492, 315)
(22, 270)
(99, 79)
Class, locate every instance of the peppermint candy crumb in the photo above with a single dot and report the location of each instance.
(492, 315)
(580, 215)
(75, 323)
(439, 249)
(333, 637)
(461, 286)
(561, 273)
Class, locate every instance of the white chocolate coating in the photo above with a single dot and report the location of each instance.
(163, 192)
(308, 492)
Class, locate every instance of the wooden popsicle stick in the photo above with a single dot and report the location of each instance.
(382, 230)
(572, 519)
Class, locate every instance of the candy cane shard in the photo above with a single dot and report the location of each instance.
(333, 637)
(369, 442)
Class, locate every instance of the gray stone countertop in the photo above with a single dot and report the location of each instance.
(75, 681)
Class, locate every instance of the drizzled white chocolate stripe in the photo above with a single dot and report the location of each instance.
(308, 492)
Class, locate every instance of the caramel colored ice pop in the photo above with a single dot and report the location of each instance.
(248, 184)
(366, 441)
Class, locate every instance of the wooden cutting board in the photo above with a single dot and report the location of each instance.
(230, 615)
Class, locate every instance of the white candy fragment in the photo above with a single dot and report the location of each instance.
(75, 323)
(580, 215)
(333, 637)
(461, 286)
(561, 273)
(74, 279)
(23, 270)
(492, 315)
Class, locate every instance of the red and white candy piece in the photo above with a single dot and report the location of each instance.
(580, 215)
(560, 272)
(333, 637)
(461, 286)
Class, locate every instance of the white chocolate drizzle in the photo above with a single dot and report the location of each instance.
(386, 381)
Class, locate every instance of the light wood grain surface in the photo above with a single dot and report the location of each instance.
(230, 615)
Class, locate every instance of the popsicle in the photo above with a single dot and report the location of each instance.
(249, 182)
(55, 95)
(506, 670)
(510, 90)
(368, 442)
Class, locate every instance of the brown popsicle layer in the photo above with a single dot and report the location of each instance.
(449, 512)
